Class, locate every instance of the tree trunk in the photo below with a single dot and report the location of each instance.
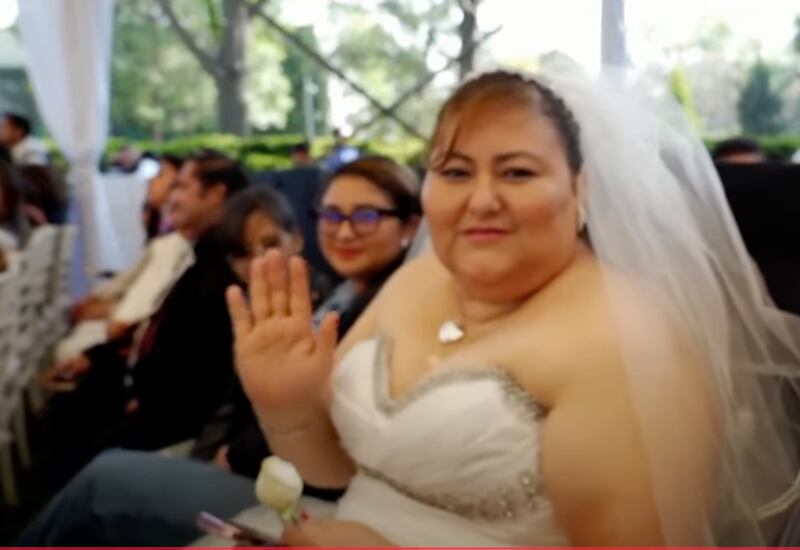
(466, 32)
(231, 105)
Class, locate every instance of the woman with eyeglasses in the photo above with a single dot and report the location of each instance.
(367, 218)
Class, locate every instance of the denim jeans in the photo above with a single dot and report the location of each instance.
(132, 498)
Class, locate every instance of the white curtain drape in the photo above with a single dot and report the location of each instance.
(67, 46)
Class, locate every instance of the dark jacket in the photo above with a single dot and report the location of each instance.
(186, 358)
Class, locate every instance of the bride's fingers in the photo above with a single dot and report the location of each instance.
(278, 281)
(299, 293)
(241, 320)
(259, 290)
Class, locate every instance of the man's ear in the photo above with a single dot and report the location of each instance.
(217, 193)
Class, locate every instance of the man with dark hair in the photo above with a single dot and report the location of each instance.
(739, 150)
(301, 155)
(15, 135)
(159, 385)
(125, 300)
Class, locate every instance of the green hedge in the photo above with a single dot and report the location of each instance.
(272, 152)
(268, 152)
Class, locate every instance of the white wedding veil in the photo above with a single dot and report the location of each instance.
(657, 212)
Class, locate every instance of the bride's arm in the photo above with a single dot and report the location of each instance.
(314, 447)
(629, 462)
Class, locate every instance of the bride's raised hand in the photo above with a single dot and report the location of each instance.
(282, 362)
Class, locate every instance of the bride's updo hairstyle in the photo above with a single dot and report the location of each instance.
(508, 88)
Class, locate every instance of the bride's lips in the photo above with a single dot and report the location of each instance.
(485, 234)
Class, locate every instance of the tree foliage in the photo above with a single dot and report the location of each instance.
(306, 77)
(682, 91)
(390, 49)
(760, 106)
(160, 89)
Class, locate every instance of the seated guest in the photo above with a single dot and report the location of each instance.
(738, 150)
(15, 134)
(44, 193)
(126, 159)
(165, 387)
(15, 228)
(127, 497)
(130, 297)
(153, 218)
(341, 153)
(301, 155)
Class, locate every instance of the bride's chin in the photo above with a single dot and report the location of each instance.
(491, 276)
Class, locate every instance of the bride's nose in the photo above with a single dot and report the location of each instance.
(485, 199)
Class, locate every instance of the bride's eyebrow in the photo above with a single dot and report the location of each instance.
(515, 154)
(456, 155)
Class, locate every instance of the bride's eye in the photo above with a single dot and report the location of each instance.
(454, 173)
(518, 174)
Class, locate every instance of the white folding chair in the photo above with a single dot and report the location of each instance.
(35, 286)
(33, 323)
(59, 298)
(10, 389)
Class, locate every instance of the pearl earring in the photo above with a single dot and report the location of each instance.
(581, 219)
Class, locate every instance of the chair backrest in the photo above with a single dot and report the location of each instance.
(62, 267)
(34, 285)
(9, 366)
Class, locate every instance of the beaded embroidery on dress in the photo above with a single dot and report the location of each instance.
(452, 463)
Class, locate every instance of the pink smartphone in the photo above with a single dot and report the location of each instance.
(232, 530)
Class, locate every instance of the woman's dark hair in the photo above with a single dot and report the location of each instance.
(44, 188)
(19, 121)
(255, 199)
(12, 215)
(173, 160)
(398, 182)
(215, 168)
(513, 89)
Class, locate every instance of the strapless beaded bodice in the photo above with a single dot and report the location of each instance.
(455, 462)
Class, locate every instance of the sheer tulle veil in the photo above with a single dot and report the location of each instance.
(657, 213)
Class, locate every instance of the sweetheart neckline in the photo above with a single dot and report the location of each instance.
(440, 378)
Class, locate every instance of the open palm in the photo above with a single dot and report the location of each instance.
(281, 361)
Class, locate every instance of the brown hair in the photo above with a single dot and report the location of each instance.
(215, 168)
(510, 88)
(398, 182)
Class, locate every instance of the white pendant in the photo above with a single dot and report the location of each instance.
(450, 332)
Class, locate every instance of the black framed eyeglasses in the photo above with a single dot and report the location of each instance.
(364, 219)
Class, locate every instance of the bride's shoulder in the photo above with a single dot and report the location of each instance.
(633, 328)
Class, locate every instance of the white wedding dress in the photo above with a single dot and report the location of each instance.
(453, 463)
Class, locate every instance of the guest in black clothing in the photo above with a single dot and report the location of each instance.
(160, 385)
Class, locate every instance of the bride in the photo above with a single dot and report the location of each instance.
(588, 357)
